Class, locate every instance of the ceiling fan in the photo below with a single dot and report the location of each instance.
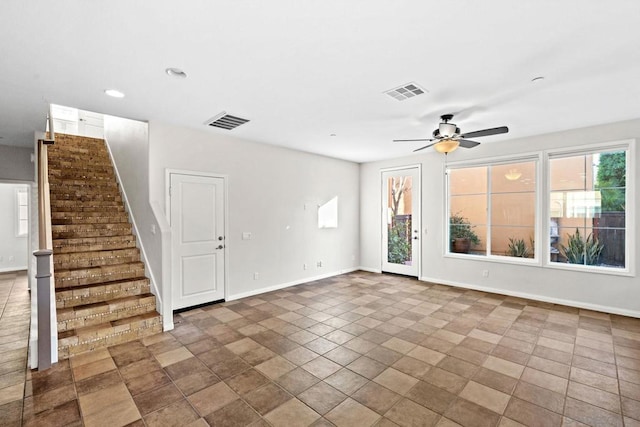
(447, 137)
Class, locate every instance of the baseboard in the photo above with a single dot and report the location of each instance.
(370, 270)
(289, 284)
(10, 269)
(535, 297)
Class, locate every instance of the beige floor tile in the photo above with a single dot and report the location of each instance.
(396, 381)
(399, 345)
(94, 402)
(275, 367)
(90, 369)
(485, 396)
(503, 366)
(352, 414)
(427, 355)
(173, 356)
(408, 413)
(11, 393)
(212, 398)
(593, 379)
(90, 356)
(321, 367)
(545, 380)
(242, 346)
(292, 414)
(119, 414)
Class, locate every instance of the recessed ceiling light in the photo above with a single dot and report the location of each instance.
(176, 72)
(537, 79)
(114, 93)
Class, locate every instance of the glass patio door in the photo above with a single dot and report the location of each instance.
(401, 221)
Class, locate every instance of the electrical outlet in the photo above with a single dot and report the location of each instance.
(255, 276)
(1, 258)
(319, 264)
(246, 235)
(304, 266)
(485, 273)
(12, 258)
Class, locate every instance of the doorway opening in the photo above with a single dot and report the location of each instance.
(197, 215)
(401, 220)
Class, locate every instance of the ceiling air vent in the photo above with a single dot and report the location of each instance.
(226, 121)
(406, 91)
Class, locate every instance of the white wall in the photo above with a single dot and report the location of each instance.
(128, 142)
(269, 188)
(607, 292)
(15, 163)
(14, 253)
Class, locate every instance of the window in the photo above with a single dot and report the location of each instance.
(492, 209)
(587, 208)
(22, 212)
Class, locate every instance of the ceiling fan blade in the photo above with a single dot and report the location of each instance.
(412, 140)
(426, 146)
(486, 132)
(466, 143)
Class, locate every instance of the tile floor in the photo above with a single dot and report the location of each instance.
(359, 349)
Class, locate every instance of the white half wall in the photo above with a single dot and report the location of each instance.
(274, 194)
(14, 250)
(617, 294)
(128, 143)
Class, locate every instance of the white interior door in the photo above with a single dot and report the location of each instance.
(198, 240)
(401, 221)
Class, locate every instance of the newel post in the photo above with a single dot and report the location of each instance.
(43, 283)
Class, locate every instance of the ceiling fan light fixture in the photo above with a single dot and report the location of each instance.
(446, 146)
(513, 174)
(447, 130)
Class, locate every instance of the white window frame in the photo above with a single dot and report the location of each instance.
(629, 147)
(18, 218)
(488, 256)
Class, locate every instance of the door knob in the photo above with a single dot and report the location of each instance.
(220, 247)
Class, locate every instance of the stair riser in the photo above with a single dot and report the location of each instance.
(106, 316)
(83, 198)
(55, 175)
(66, 351)
(90, 220)
(93, 230)
(81, 296)
(87, 260)
(89, 206)
(79, 184)
(63, 281)
(67, 246)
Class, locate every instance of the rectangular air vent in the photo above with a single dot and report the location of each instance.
(226, 121)
(406, 91)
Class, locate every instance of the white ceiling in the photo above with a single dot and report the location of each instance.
(302, 70)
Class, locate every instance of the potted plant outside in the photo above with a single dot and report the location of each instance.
(461, 234)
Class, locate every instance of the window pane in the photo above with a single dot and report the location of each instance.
(399, 207)
(513, 209)
(468, 181)
(587, 206)
(513, 241)
(513, 177)
(467, 207)
(23, 227)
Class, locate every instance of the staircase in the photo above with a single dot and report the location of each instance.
(102, 294)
